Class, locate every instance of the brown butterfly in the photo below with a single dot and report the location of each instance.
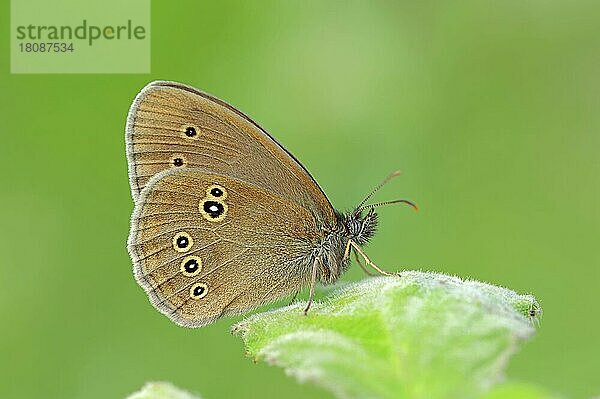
(225, 218)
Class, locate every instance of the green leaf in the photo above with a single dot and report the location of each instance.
(418, 335)
(519, 391)
(161, 390)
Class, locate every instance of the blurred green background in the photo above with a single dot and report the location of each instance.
(491, 110)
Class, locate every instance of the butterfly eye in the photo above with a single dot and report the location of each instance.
(177, 161)
(216, 191)
(198, 290)
(182, 242)
(191, 266)
(214, 211)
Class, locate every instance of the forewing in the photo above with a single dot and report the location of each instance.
(172, 126)
(251, 252)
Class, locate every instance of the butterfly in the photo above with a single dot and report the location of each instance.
(225, 218)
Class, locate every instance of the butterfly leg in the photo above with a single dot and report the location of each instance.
(312, 285)
(294, 298)
(347, 250)
(361, 265)
(369, 261)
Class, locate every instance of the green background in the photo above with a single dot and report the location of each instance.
(490, 108)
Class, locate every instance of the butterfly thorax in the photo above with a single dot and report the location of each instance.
(334, 250)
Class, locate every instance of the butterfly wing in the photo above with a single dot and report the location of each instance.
(206, 245)
(171, 125)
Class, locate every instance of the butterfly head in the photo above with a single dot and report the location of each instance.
(359, 226)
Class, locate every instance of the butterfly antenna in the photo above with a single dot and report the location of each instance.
(383, 183)
(399, 201)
